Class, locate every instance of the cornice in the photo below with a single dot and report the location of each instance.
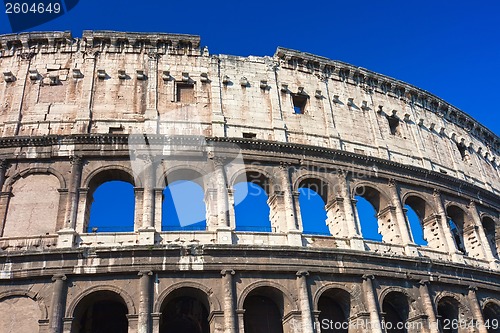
(372, 81)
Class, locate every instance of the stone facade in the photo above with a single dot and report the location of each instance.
(151, 109)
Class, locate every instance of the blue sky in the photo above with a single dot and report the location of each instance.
(449, 48)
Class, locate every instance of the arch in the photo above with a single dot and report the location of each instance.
(129, 302)
(457, 223)
(415, 223)
(32, 171)
(107, 173)
(34, 206)
(396, 309)
(334, 305)
(187, 309)
(182, 172)
(262, 313)
(491, 313)
(492, 231)
(288, 298)
(30, 294)
(376, 196)
(326, 287)
(254, 175)
(19, 312)
(313, 196)
(448, 309)
(316, 180)
(213, 301)
(419, 204)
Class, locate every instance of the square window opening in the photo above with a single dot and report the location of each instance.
(185, 93)
(299, 103)
(249, 135)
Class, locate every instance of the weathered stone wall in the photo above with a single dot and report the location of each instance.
(150, 109)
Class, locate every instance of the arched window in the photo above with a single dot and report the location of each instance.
(112, 208)
(368, 219)
(415, 224)
(491, 313)
(334, 307)
(101, 311)
(456, 219)
(448, 311)
(185, 310)
(251, 204)
(263, 311)
(491, 231)
(183, 206)
(396, 311)
(312, 201)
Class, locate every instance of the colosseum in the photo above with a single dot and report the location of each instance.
(143, 114)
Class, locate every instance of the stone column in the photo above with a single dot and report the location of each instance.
(305, 307)
(229, 313)
(351, 224)
(452, 249)
(476, 310)
(429, 307)
(371, 302)
(401, 219)
(71, 207)
(144, 319)
(223, 226)
(3, 170)
(58, 303)
(241, 320)
(148, 196)
(485, 244)
(290, 204)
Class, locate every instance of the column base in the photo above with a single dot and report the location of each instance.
(411, 250)
(224, 236)
(357, 243)
(66, 238)
(294, 238)
(147, 236)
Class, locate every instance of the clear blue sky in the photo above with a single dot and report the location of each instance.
(449, 48)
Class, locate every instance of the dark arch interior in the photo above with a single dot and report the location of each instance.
(101, 312)
(491, 314)
(334, 307)
(491, 233)
(448, 312)
(396, 311)
(456, 222)
(262, 315)
(185, 310)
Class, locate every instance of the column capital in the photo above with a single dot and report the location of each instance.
(424, 282)
(392, 182)
(472, 288)
(59, 277)
(219, 161)
(145, 273)
(368, 277)
(225, 272)
(302, 273)
(75, 159)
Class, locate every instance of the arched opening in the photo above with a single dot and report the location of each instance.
(416, 211)
(263, 311)
(312, 201)
(415, 223)
(19, 314)
(112, 208)
(491, 314)
(33, 206)
(251, 206)
(334, 307)
(110, 202)
(396, 311)
(101, 312)
(368, 220)
(185, 310)
(448, 314)
(491, 231)
(183, 206)
(456, 218)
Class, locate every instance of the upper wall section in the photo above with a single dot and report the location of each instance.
(113, 82)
